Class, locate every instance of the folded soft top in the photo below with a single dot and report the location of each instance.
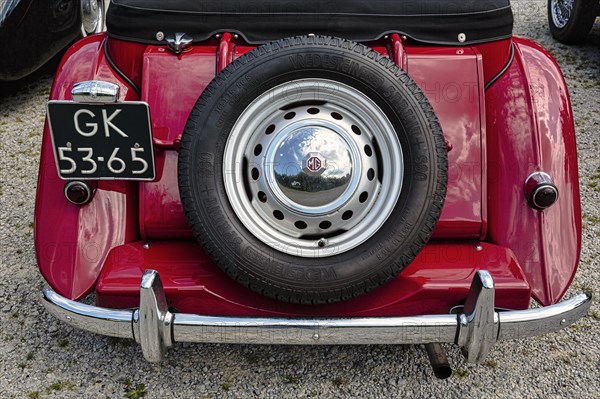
(431, 21)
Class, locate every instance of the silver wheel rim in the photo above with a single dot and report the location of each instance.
(313, 168)
(92, 16)
(561, 12)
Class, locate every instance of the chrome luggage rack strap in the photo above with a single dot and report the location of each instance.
(475, 330)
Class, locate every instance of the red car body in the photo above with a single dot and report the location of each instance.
(521, 124)
(505, 113)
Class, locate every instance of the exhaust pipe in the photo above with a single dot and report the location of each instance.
(439, 361)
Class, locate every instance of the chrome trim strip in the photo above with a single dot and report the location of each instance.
(543, 320)
(111, 322)
(281, 331)
(475, 331)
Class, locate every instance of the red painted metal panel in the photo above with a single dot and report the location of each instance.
(530, 128)
(437, 280)
(173, 83)
(495, 56)
(161, 213)
(451, 79)
(128, 57)
(171, 86)
(72, 242)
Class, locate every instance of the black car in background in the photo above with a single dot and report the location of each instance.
(33, 31)
(571, 20)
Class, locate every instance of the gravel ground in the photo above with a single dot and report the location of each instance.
(41, 358)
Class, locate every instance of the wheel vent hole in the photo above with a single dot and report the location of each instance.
(255, 173)
(324, 225)
(313, 111)
(270, 129)
(300, 225)
(356, 130)
(289, 115)
(363, 196)
(347, 215)
(262, 197)
(278, 215)
(337, 116)
(370, 174)
(368, 150)
(257, 150)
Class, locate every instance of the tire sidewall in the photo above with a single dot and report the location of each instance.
(579, 24)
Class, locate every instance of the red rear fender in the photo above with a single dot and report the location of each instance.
(530, 128)
(72, 242)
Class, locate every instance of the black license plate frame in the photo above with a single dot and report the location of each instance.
(102, 141)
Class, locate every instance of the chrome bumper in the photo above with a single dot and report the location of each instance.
(475, 331)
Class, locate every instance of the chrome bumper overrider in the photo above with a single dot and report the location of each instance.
(475, 331)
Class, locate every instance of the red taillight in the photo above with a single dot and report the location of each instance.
(78, 192)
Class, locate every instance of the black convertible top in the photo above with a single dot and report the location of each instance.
(260, 21)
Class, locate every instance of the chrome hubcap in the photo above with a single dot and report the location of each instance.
(313, 168)
(561, 12)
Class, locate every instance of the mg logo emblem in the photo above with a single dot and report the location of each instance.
(314, 164)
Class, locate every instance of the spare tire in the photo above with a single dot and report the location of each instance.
(312, 169)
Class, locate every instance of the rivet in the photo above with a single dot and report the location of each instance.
(404, 37)
(478, 248)
(236, 36)
(68, 318)
(462, 37)
(218, 36)
(322, 242)
(563, 321)
(316, 336)
(160, 36)
(147, 245)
